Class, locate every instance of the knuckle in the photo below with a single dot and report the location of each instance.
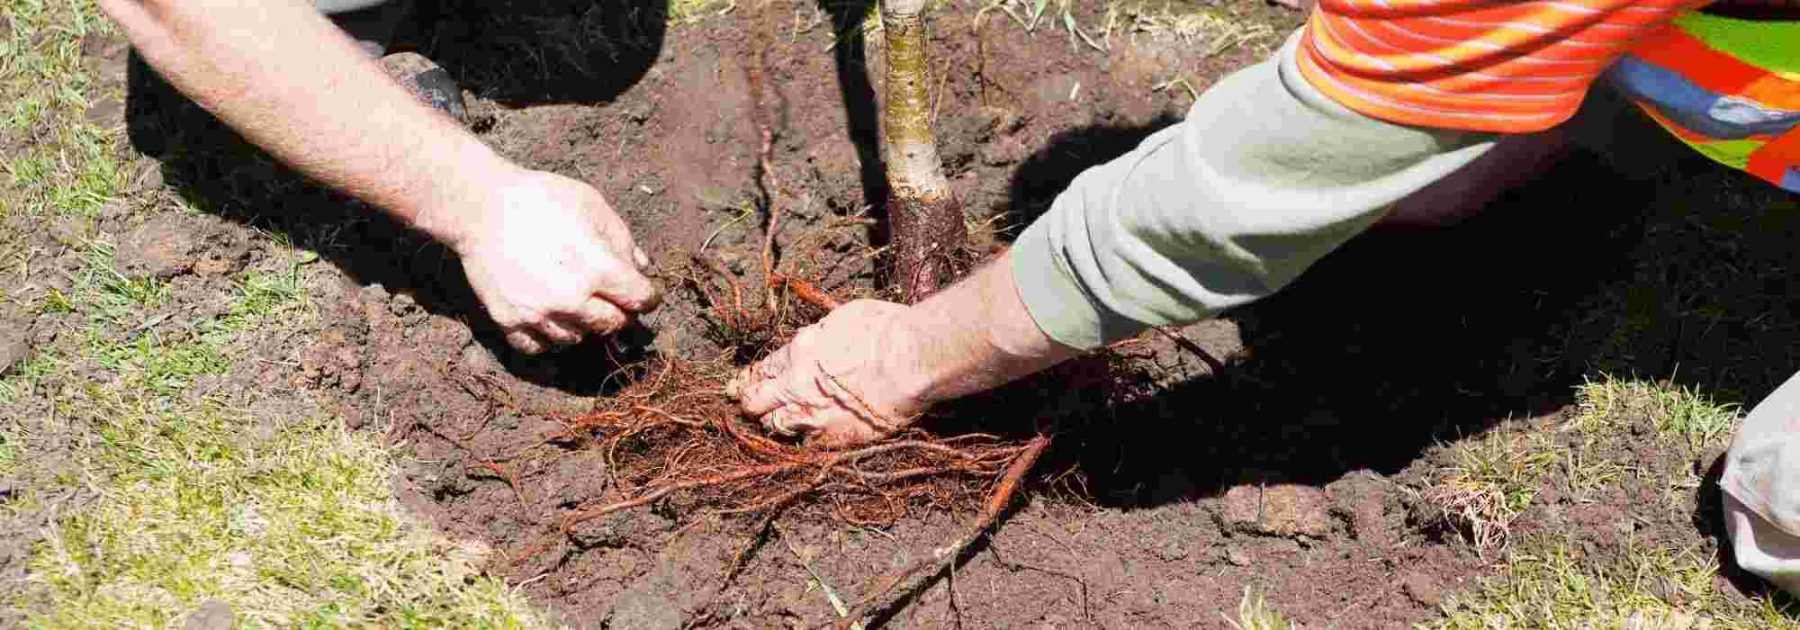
(530, 317)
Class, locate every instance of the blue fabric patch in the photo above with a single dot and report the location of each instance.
(1692, 106)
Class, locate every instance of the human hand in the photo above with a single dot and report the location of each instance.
(869, 368)
(854, 377)
(549, 259)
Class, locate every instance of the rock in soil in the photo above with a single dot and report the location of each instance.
(1422, 589)
(160, 248)
(15, 346)
(476, 358)
(629, 528)
(212, 615)
(647, 606)
(1283, 510)
(1361, 499)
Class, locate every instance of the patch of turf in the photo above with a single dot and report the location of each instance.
(145, 497)
(1549, 584)
(1554, 578)
(291, 525)
(65, 164)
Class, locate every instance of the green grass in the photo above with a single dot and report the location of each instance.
(1677, 412)
(1650, 588)
(289, 520)
(1547, 580)
(295, 528)
(67, 164)
(159, 497)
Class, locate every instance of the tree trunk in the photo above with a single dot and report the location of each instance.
(924, 217)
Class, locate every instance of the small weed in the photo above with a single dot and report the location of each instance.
(1255, 613)
(56, 302)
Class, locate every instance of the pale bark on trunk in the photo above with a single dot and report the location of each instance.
(924, 216)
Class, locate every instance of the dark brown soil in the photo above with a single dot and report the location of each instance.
(676, 153)
(1294, 474)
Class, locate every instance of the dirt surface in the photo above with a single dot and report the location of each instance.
(1296, 474)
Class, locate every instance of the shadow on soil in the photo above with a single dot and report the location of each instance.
(536, 52)
(862, 116)
(1634, 257)
(519, 53)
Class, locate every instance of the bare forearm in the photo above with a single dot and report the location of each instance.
(977, 335)
(286, 78)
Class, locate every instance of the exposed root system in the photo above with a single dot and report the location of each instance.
(668, 439)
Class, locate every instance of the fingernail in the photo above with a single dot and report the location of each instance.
(642, 259)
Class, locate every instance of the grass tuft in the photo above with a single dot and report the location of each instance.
(1209, 30)
(1678, 413)
(1255, 613)
(1494, 478)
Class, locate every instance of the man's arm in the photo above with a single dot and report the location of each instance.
(547, 255)
(1264, 177)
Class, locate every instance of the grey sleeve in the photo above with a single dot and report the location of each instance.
(1264, 177)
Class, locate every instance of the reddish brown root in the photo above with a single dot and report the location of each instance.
(506, 475)
(916, 573)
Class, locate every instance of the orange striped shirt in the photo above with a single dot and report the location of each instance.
(1480, 65)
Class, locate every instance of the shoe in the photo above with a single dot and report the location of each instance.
(428, 82)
